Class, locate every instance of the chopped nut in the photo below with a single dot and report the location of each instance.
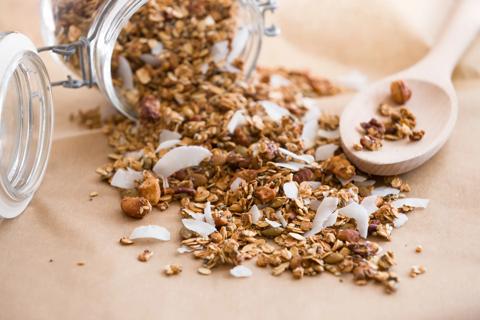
(125, 241)
(418, 249)
(265, 194)
(145, 255)
(400, 92)
(417, 270)
(136, 207)
(172, 269)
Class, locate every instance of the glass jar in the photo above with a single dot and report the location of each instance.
(100, 23)
(84, 34)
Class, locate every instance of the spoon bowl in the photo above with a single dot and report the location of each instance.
(435, 108)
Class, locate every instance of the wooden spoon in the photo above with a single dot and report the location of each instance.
(434, 101)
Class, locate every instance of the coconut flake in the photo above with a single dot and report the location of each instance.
(202, 228)
(277, 81)
(125, 179)
(238, 44)
(280, 217)
(296, 236)
(184, 249)
(370, 204)
(329, 134)
(324, 210)
(220, 51)
(150, 232)
(358, 178)
(157, 49)
(135, 155)
(331, 220)
(360, 214)
(150, 59)
(207, 212)
(385, 191)
(400, 220)
(180, 158)
(241, 272)
(237, 119)
(366, 183)
(166, 135)
(304, 157)
(167, 144)
(194, 215)
(290, 190)
(273, 110)
(309, 133)
(326, 151)
(313, 184)
(204, 68)
(256, 214)
(294, 166)
(273, 224)
(125, 73)
(411, 202)
(236, 184)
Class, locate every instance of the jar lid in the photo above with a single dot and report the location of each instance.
(26, 122)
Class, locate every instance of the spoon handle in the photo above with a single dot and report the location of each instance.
(455, 38)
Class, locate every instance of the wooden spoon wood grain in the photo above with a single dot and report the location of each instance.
(434, 101)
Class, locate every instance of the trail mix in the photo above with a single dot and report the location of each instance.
(255, 166)
(401, 123)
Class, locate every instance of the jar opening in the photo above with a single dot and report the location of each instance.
(26, 121)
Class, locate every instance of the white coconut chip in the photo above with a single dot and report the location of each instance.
(167, 144)
(309, 133)
(331, 220)
(207, 212)
(150, 59)
(220, 51)
(329, 134)
(312, 115)
(324, 210)
(310, 103)
(150, 232)
(204, 68)
(290, 190)
(237, 119)
(273, 110)
(411, 202)
(326, 151)
(294, 166)
(184, 249)
(385, 191)
(304, 157)
(166, 135)
(157, 49)
(125, 179)
(135, 155)
(238, 44)
(194, 215)
(313, 184)
(366, 183)
(400, 220)
(241, 272)
(359, 214)
(273, 224)
(277, 81)
(237, 183)
(280, 217)
(359, 178)
(180, 158)
(296, 236)
(370, 204)
(125, 73)
(256, 214)
(202, 228)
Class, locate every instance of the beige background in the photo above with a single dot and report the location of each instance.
(330, 37)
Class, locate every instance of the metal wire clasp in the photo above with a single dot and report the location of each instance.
(82, 49)
(269, 6)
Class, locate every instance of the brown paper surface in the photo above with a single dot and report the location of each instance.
(329, 37)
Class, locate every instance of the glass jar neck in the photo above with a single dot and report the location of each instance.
(115, 15)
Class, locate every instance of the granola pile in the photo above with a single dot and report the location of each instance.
(401, 123)
(254, 165)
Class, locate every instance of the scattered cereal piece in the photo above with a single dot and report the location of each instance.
(418, 249)
(204, 271)
(145, 255)
(125, 241)
(172, 269)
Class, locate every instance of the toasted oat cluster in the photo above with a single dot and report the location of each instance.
(400, 124)
(255, 166)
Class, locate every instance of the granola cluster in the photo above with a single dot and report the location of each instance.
(400, 124)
